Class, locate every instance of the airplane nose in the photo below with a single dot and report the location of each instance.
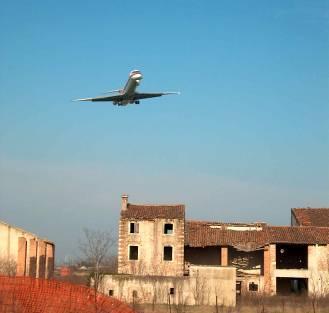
(137, 76)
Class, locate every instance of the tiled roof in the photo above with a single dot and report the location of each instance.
(202, 234)
(312, 216)
(296, 234)
(150, 212)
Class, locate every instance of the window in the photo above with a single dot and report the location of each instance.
(168, 228)
(172, 291)
(253, 287)
(133, 253)
(167, 253)
(111, 292)
(134, 228)
(134, 293)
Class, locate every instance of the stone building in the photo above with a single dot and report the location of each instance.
(273, 259)
(160, 250)
(25, 254)
(151, 261)
(151, 239)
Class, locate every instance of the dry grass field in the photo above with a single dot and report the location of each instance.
(249, 305)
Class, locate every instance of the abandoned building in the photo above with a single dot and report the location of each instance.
(25, 254)
(164, 257)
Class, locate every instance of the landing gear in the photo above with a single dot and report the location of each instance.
(137, 102)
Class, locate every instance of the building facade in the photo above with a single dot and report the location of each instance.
(161, 253)
(151, 239)
(25, 254)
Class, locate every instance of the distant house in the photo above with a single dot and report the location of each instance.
(201, 262)
(25, 254)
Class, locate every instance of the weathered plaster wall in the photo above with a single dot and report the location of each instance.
(24, 248)
(201, 287)
(151, 241)
(318, 269)
(269, 269)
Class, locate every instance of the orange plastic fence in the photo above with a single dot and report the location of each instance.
(30, 295)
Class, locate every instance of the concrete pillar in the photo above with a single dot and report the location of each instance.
(33, 258)
(224, 256)
(41, 259)
(21, 257)
(8, 242)
(49, 260)
(269, 269)
(124, 202)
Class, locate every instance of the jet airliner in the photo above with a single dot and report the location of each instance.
(128, 94)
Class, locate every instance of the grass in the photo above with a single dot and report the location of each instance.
(247, 305)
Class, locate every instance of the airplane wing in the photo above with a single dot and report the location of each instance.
(146, 95)
(103, 98)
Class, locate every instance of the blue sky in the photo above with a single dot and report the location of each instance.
(247, 139)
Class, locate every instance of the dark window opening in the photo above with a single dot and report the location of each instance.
(133, 253)
(288, 286)
(172, 291)
(238, 288)
(167, 253)
(134, 228)
(111, 292)
(168, 228)
(134, 293)
(290, 256)
(253, 287)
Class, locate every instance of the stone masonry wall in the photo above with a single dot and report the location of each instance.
(151, 241)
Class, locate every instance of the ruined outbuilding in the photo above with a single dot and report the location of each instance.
(25, 254)
(164, 257)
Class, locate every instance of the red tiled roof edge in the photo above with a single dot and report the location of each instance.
(200, 235)
(311, 216)
(151, 211)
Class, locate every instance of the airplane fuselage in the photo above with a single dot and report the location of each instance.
(130, 87)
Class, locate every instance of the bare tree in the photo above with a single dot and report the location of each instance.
(319, 282)
(200, 289)
(7, 266)
(95, 248)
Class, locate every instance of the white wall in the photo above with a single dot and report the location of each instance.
(201, 287)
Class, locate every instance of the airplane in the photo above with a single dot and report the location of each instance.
(128, 94)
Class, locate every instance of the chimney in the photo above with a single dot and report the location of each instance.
(124, 202)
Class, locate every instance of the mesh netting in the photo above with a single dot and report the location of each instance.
(29, 295)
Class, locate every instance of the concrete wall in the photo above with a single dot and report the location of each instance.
(269, 269)
(317, 273)
(200, 288)
(255, 279)
(151, 241)
(318, 269)
(27, 251)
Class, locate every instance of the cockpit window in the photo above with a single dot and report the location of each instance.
(134, 72)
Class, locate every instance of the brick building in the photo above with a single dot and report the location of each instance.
(25, 254)
(156, 241)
